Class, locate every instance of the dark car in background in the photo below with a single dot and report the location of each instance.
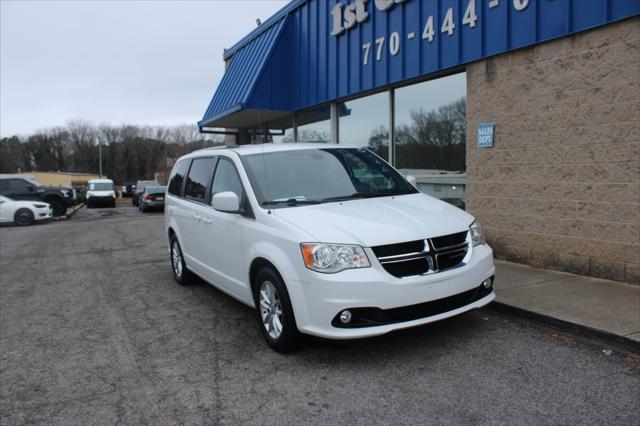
(152, 198)
(128, 188)
(139, 189)
(22, 188)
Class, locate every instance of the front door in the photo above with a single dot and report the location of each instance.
(224, 256)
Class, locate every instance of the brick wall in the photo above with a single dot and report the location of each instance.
(560, 189)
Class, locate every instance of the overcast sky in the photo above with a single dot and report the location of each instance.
(143, 62)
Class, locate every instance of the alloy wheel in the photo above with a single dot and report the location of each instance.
(176, 259)
(23, 217)
(271, 309)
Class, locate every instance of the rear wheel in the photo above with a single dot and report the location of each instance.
(23, 217)
(182, 275)
(274, 312)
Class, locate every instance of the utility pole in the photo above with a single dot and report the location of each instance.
(100, 156)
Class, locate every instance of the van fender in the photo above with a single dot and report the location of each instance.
(284, 264)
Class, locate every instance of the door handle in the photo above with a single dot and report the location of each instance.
(197, 217)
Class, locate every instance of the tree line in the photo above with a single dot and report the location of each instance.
(433, 139)
(129, 152)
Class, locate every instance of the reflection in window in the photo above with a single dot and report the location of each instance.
(227, 179)
(365, 122)
(313, 126)
(179, 172)
(199, 177)
(431, 124)
(430, 135)
(276, 137)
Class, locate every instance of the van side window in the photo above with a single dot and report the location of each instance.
(179, 174)
(227, 179)
(199, 178)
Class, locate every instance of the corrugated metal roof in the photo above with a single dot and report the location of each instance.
(242, 75)
(272, 20)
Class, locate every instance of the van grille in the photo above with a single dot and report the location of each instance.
(422, 256)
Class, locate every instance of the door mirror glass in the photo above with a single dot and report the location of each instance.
(226, 202)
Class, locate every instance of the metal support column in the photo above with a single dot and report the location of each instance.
(392, 127)
(335, 123)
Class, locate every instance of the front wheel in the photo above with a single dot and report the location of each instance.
(182, 275)
(274, 312)
(23, 217)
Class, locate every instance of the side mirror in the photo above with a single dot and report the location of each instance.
(226, 202)
(412, 180)
(31, 189)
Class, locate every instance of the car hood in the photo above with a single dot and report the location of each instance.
(376, 221)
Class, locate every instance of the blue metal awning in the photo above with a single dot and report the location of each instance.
(233, 104)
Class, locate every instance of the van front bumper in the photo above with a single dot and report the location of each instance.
(380, 303)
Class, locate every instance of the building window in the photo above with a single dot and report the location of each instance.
(365, 122)
(430, 132)
(313, 125)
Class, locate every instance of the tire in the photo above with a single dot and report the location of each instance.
(113, 204)
(274, 312)
(58, 207)
(23, 217)
(181, 274)
(88, 204)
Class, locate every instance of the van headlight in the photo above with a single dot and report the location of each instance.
(332, 258)
(477, 237)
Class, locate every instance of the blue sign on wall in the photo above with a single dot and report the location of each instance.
(331, 49)
(485, 135)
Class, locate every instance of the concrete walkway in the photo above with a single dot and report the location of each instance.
(603, 305)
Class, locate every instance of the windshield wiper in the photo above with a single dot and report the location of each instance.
(350, 197)
(290, 202)
(357, 195)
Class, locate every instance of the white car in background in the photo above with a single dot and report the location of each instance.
(23, 212)
(100, 193)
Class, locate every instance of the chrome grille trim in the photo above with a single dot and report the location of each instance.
(437, 259)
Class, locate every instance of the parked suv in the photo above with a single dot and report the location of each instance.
(21, 188)
(323, 240)
(139, 189)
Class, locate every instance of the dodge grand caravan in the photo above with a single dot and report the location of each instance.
(325, 240)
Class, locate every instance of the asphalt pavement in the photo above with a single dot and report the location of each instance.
(93, 330)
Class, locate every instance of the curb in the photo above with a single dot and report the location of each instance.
(621, 343)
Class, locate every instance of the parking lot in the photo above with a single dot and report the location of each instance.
(93, 330)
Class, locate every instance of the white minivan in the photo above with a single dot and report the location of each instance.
(325, 240)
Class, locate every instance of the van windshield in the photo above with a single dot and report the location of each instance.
(314, 176)
(100, 186)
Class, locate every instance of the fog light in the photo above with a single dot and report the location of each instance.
(345, 317)
(487, 283)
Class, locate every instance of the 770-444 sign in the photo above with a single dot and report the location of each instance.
(356, 13)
